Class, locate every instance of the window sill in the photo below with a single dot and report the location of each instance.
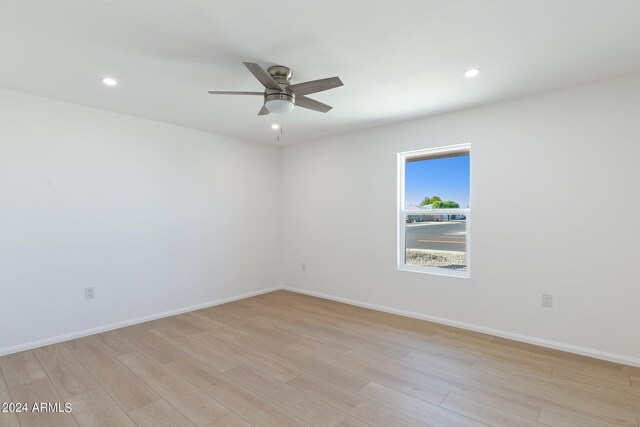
(464, 274)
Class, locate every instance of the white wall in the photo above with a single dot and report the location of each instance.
(155, 216)
(555, 199)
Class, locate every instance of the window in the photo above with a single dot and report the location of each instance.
(434, 211)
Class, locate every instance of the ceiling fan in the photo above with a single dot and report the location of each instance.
(280, 96)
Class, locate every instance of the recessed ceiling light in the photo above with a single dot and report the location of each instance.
(472, 72)
(275, 126)
(109, 81)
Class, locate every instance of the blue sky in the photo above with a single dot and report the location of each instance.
(447, 178)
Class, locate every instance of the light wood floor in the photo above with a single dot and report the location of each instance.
(287, 359)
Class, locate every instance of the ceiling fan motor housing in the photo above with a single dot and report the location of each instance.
(280, 73)
(281, 101)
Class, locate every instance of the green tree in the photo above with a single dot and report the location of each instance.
(447, 204)
(429, 200)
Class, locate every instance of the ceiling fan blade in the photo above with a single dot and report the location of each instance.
(262, 76)
(315, 86)
(226, 92)
(312, 104)
(263, 111)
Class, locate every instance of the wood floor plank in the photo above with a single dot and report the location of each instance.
(196, 348)
(392, 320)
(629, 403)
(177, 322)
(229, 314)
(116, 342)
(524, 406)
(341, 334)
(552, 386)
(349, 339)
(7, 419)
(279, 295)
(602, 366)
(555, 397)
(276, 368)
(298, 311)
(302, 332)
(487, 414)
(556, 417)
(604, 373)
(152, 344)
(374, 342)
(374, 328)
(576, 363)
(159, 413)
(436, 354)
(95, 408)
(501, 365)
(244, 402)
(463, 336)
(415, 408)
(126, 389)
(64, 370)
(198, 407)
(310, 312)
(213, 327)
(21, 368)
(306, 362)
(406, 343)
(450, 377)
(311, 303)
(594, 414)
(299, 404)
(36, 392)
(441, 380)
(409, 385)
(594, 383)
(635, 382)
(231, 420)
(266, 329)
(268, 311)
(352, 403)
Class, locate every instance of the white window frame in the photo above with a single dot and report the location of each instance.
(403, 212)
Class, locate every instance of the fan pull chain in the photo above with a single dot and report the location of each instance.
(279, 125)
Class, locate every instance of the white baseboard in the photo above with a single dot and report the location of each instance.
(117, 325)
(597, 354)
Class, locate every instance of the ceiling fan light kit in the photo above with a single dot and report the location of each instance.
(280, 96)
(279, 103)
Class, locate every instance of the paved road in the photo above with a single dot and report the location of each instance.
(444, 236)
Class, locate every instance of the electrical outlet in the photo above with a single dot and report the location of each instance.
(547, 300)
(304, 266)
(89, 293)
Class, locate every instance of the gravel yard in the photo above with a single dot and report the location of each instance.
(430, 258)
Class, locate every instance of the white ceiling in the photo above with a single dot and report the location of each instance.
(398, 59)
